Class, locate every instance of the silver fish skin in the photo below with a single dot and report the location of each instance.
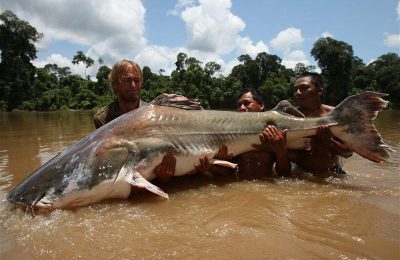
(123, 153)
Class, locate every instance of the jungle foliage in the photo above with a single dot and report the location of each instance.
(23, 86)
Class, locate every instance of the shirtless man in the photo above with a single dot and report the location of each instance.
(272, 150)
(325, 148)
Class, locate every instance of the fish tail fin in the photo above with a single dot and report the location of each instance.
(354, 117)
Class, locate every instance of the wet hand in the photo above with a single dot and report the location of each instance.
(203, 167)
(222, 154)
(272, 140)
(324, 135)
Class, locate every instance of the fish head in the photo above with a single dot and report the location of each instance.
(34, 188)
(73, 177)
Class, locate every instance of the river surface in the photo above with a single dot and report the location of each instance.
(356, 217)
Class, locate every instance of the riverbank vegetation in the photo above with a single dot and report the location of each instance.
(26, 87)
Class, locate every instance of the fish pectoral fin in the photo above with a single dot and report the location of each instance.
(140, 182)
(299, 143)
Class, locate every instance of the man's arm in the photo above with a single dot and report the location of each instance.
(325, 137)
(204, 167)
(274, 140)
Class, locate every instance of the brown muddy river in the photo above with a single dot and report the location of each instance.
(356, 217)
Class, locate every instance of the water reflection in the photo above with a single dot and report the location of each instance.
(28, 140)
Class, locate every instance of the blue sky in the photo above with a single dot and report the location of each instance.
(153, 32)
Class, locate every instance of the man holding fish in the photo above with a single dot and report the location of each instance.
(125, 152)
(257, 163)
(126, 80)
(325, 149)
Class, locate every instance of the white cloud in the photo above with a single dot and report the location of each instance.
(161, 57)
(115, 29)
(212, 31)
(398, 10)
(180, 5)
(112, 29)
(211, 27)
(245, 46)
(326, 35)
(287, 39)
(392, 40)
(292, 58)
(158, 57)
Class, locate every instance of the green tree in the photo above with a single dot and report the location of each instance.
(387, 76)
(57, 71)
(268, 63)
(336, 59)
(248, 73)
(301, 68)
(81, 57)
(17, 46)
(276, 88)
(102, 86)
(211, 68)
(180, 61)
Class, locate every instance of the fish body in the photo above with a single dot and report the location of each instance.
(123, 153)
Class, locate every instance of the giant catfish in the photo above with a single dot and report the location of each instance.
(123, 153)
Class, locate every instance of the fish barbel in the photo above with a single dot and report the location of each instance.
(123, 153)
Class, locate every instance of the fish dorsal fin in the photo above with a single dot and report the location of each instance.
(286, 107)
(178, 101)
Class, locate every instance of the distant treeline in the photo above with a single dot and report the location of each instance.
(23, 86)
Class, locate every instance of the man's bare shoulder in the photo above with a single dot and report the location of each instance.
(327, 108)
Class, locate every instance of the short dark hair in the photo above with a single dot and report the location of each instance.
(316, 79)
(256, 95)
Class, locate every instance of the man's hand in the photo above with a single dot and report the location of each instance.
(222, 154)
(272, 140)
(166, 169)
(325, 136)
(204, 167)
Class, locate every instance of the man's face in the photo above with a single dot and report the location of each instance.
(305, 92)
(247, 103)
(130, 84)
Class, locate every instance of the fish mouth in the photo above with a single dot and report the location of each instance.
(37, 208)
(41, 207)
